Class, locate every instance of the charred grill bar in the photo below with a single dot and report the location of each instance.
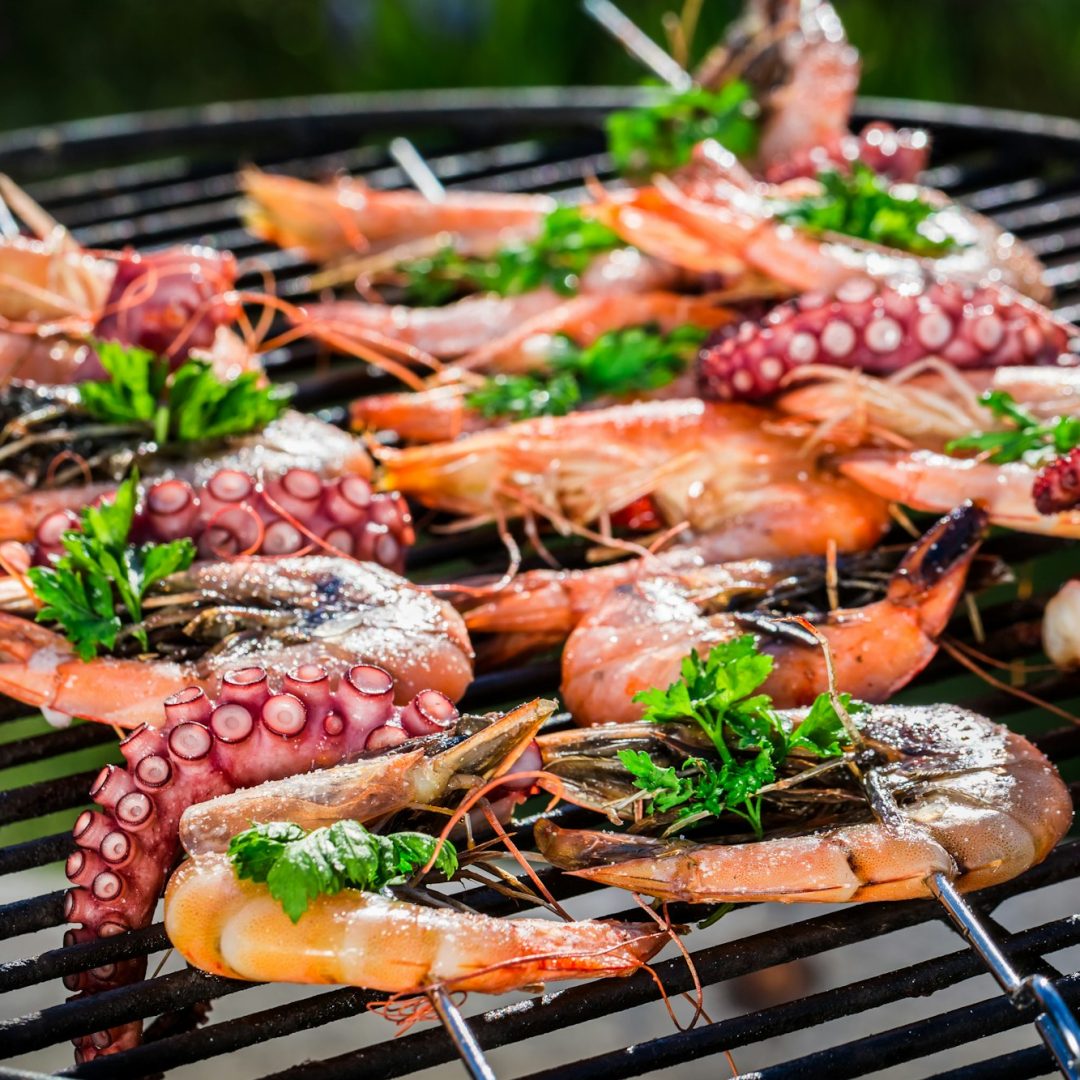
(169, 178)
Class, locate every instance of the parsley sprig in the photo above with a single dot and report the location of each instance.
(751, 739)
(100, 582)
(661, 137)
(566, 244)
(625, 361)
(1028, 439)
(297, 865)
(862, 205)
(189, 405)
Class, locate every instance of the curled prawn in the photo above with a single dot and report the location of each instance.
(637, 637)
(940, 790)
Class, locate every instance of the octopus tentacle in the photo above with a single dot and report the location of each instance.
(251, 734)
(880, 327)
(1057, 485)
(235, 513)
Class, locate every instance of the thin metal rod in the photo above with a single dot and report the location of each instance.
(461, 1036)
(1056, 1024)
(637, 43)
(419, 172)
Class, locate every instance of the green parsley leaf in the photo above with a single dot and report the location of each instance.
(566, 244)
(750, 737)
(661, 137)
(130, 394)
(521, 397)
(298, 866)
(633, 359)
(190, 405)
(1029, 439)
(102, 577)
(861, 204)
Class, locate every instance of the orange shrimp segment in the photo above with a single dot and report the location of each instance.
(236, 929)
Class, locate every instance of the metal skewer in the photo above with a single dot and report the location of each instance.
(419, 172)
(1056, 1024)
(461, 1035)
(637, 43)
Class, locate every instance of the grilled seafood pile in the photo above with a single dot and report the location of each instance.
(728, 374)
(197, 748)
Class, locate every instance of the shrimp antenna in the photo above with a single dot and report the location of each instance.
(638, 44)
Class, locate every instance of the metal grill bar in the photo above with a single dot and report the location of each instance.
(541, 141)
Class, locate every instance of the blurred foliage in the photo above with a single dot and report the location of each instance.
(61, 59)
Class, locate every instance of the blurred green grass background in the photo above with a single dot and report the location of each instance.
(61, 59)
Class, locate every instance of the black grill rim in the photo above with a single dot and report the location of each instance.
(306, 124)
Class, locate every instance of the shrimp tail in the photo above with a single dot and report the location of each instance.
(932, 574)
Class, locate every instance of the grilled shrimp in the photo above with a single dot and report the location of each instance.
(278, 614)
(234, 928)
(346, 216)
(710, 466)
(54, 296)
(637, 637)
(440, 412)
(945, 792)
(927, 480)
(726, 224)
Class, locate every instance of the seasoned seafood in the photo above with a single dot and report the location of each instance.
(638, 635)
(55, 296)
(538, 346)
(879, 328)
(233, 928)
(712, 467)
(274, 614)
(729, 224)
(330, 220)
(247, 735)
(928, 480)
(940, 790)
(298, 483)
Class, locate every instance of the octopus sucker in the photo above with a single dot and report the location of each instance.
(881, 327)
(235, 512)
(252, 732)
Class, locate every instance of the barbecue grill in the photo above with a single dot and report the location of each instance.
(166, 178)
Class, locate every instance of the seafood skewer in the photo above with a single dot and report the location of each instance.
(275, 615)
(945, 792)
(638, 635)
(247, 735)
(714, 468)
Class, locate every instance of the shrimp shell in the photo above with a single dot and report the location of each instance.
(962, 797)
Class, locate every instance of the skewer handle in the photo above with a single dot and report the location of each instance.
(461, 1035)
